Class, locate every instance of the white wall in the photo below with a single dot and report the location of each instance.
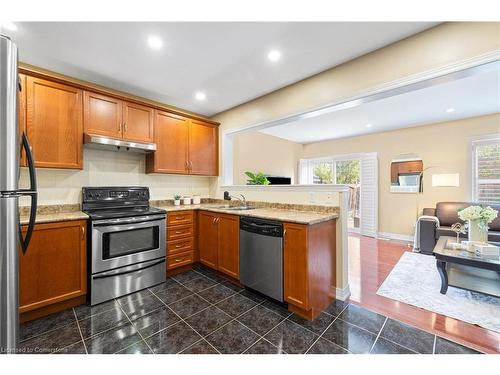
(258, 152)
(110, 168)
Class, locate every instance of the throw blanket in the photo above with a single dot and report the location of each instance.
(416, 240)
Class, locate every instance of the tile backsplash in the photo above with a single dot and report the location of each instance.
(110, 168)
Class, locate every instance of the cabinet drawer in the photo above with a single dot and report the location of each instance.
(178, 260)
(181, 231)
(180, 218)
(179, 246)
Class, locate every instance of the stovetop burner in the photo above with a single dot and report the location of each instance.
(117, 202)
(123, 212)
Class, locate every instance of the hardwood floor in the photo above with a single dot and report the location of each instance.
(370, 262)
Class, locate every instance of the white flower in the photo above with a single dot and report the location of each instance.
(484, 214)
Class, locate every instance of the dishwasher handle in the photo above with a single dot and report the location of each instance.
(271, 229)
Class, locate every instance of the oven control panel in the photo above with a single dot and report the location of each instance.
(129, 194)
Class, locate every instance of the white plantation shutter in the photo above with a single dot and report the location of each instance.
(486, 176)
(303, 171)
(369, 195)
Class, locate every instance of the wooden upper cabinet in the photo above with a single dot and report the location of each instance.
(208, 238)
(54, 123)
(183, 146)
(137, 122)
(203, 148)
(54, 268)
(102, 115)
(171, 138)
(111, 117)
(295, 266)
(229, 245)
(21, 115)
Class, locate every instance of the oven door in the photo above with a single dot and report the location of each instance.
(123, 242)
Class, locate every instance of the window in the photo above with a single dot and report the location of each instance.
(330, 171)
(486, 170)
(343, 170)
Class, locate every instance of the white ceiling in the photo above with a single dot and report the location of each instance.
(475, 95)
(227, 61)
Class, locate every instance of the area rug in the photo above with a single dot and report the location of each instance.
(415, 281)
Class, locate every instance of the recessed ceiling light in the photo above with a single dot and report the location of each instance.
(368, 125)
(155, 42)
(199, 95)
(274, 55)
(450, 110)
(11, 26)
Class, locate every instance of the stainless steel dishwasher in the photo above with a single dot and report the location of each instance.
(261, 256)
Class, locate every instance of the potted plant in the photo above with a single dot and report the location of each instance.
(478, 218)
(257, 178)
(177, 200)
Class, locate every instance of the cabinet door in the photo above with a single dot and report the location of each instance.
(54, 123)
(102, 115)
(295, 265)
(171, 138)
(21, 115)
(203, 148)
(137, 122)
(54, 267)
(229, 245)
(208, 238)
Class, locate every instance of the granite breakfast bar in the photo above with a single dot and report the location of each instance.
(309, 248)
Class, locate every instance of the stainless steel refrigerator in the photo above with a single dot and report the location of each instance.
(11, 237)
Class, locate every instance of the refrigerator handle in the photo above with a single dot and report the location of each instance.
(31, 163)
(32, 193)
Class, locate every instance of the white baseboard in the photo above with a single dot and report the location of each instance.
(342, 294)
(395, 236)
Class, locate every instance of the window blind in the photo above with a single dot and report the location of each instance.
(486, 174)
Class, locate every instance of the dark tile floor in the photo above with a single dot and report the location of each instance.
(199, 312)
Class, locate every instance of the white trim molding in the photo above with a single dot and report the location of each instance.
(303, 188)
(409, 83)
(395, 236)
(412, 82)
(342, 293)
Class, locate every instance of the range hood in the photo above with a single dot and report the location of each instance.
(105, 143)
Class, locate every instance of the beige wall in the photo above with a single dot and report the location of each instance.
(434, 48)
(443, 45)
(102, 168)
(258, 152)
(445, 146)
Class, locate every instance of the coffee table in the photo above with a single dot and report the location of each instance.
(466, 270)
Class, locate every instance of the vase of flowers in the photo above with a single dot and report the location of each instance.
(478, 218)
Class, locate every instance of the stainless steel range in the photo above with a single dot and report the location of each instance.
(126, 241)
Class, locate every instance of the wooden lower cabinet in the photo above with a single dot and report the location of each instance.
(208, 238)
(219, 242)
(295, 265)
(181, 229)
(54, 268)
(309, 267)
(228, 250)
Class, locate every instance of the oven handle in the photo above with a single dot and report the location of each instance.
(129, 269)
(132, 220)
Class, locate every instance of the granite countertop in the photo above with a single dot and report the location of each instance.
(279, 212)
(55, 217)
(53, 213)
(291, 216)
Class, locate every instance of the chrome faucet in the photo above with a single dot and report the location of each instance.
(239, 197)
